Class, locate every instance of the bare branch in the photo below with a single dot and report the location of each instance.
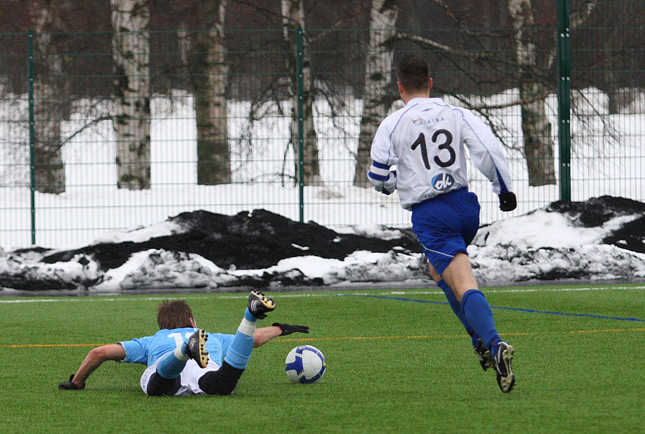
(266, 12)
(90, 124)
(425, 42)
(343, 22)
(520, 102)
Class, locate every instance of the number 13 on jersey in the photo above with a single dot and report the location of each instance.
(441, 137)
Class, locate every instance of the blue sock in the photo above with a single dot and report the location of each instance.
(172, 363)
(239, 352)
(479, 315)
(456, 308)
(249, 316)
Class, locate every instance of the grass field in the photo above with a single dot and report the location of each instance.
(398, 361)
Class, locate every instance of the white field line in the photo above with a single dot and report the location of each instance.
(329, 293)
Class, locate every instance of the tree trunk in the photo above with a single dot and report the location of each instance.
(294, 15)
(131, 54)
(536, 129)
(208, 74)
(538, 146)
(377, 82)
(49, 168)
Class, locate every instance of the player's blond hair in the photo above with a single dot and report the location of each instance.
(174, 314)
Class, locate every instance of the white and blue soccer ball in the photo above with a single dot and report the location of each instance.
(305, 364)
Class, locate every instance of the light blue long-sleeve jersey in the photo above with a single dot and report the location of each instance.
(148, 349)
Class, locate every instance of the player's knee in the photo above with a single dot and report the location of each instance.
(160, 386)
(222, 381)
(213, 384)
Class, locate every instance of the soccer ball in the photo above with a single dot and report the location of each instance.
(305, 364)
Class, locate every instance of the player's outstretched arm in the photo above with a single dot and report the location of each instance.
(265, 334)
(92, 361)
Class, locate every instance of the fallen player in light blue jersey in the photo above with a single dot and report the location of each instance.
(184, 360)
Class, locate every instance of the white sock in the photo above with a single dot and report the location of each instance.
(247, 327)
(179, 354)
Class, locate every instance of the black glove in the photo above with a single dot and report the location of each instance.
(287, 329)
(70, 385)
(507, 201)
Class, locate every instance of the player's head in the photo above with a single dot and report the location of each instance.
(174, 315)
(413, 75)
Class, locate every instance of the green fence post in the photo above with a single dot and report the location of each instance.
(564, 98)
(32, 157)
(301, 144)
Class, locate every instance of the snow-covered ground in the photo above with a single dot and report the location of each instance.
(599, 239)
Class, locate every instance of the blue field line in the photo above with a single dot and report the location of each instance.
(546, 312)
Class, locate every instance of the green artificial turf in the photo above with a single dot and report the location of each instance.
(397, 361)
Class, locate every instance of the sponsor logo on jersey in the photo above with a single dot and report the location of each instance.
(443, 181)
(420, 121)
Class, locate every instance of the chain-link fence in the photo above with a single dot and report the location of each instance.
(105, 131)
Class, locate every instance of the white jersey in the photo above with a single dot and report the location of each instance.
(425, 140)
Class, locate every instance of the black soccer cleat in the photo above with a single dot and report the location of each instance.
(259, 304)
(502, 361)
(484, 355)
(70, 385)
(196, 348)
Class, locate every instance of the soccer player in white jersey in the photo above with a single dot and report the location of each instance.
(184, 360)
(425, 140)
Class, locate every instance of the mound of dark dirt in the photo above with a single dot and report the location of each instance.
(597, 211)
(255, 240)
(630, 236)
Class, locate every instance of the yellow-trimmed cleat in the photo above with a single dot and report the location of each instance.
(259, 304)
(196, 348)
(502, 361)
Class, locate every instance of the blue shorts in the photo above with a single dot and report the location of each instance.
(445, 225)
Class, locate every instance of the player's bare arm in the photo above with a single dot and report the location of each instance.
(92, 361)
(265, 334)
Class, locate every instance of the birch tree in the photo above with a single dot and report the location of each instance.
(131, 121)
(208, 75)
(378, 78)
(49, 168)
(294, 15)
(536, 128)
